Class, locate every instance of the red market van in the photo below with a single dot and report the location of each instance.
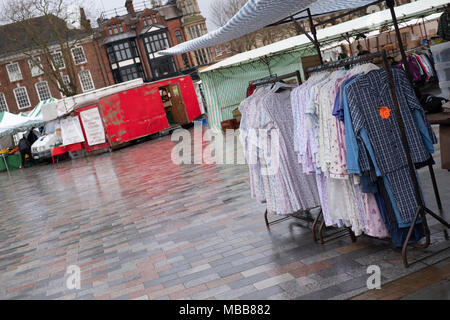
(138, 112)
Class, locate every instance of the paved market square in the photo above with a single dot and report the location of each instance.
(140, 227)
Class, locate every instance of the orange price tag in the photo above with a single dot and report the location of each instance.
(385, 112)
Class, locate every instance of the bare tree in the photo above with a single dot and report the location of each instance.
(223, 10)
(39, 28)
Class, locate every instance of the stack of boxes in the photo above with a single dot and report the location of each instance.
(441, 55)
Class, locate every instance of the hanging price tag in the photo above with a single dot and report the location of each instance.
(385, 112)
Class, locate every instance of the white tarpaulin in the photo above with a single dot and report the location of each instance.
(93, 126)
(256, 14)
(71, 131)
(363, 24)
(13, 123)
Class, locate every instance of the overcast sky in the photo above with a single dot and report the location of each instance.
(111, 4)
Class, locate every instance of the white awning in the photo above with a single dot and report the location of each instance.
(256, 14)
(363, 24)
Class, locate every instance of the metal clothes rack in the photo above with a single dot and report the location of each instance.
(286, 76)
(304, 215)
(422, 210)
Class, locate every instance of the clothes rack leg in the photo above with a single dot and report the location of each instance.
(266, 219)
(408, 237)
(438, 197)
(352, 234)
(438, 218)
(314, 226)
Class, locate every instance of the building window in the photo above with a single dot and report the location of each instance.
(218, 51)
(120, 28)
(14, 72)
(203, 29)
(43, 91)
(122, 51)
(193, 32)
(58, 60)
(178, 36)
(144, 21)
(86, 81)
(185, 60)
(161, 66)
(196, 31)
(130, 73)
(110, 30)
(201, 56)
(126, 52)
(78, 55)
(115, 28)
(155, 20)
(22, 98)
(3, 105)
(156, 42)
(229, 48)
(66, 82)
(35, 67)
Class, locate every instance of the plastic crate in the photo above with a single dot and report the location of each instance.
(74, 155)
(441, 52)
(445, 93)
(445, 89)
(443, 71)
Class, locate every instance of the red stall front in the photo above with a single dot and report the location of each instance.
(139, 112)
(93, 128)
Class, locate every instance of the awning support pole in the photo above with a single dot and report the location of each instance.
(425, 29)
(314, 33)
(391, 6)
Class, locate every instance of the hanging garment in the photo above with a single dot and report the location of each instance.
(415, 70)
(381, 135)
(301, 187)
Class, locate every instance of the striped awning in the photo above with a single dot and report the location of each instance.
(13, 123)
(256, 14)
(37, 111)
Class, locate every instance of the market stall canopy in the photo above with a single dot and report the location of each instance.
(36, 113)
(13, 123)
(365, 24)
(63, 107)
(256, 14)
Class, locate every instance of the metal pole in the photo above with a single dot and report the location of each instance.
(391, 5)
(425, 29)
(314, 33)
(6, 164)
(412, 170)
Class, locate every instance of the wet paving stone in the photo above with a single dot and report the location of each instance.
(141, 227)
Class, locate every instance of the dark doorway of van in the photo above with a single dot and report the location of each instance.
(174, 104)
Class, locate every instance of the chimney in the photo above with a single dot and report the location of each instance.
(84, 22)
(130, 8)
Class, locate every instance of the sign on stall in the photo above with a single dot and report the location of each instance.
(71, 131)
(93, 126)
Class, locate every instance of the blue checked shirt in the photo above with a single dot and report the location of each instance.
(366, 95)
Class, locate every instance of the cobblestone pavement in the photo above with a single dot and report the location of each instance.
(140, 227)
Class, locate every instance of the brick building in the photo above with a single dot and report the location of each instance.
(133, 36)
(23, 83)
(194, 26)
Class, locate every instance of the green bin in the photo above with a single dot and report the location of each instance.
(14, 162)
